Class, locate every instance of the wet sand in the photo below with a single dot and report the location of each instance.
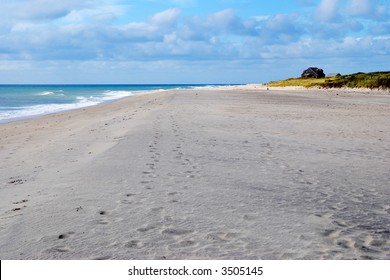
(239, 173)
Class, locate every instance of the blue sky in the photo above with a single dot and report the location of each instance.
(189, 41)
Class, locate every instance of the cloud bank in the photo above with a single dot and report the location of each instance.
(75, 35)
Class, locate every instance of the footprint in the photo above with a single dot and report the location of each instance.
(16, 181)
(134, 244)
(103, 258)
(125, 201)
(173, 193)
(330, 233)
(146, 182)
(22, 201)
(187, 243)
(249, 217)
(157, 209)
(377, 243)
(146, 229)
(365, 249)
(102, 221)
(176, 231)
(221, 237)
(58, 249)
(345, 244)
(183, 244)
(65, 235)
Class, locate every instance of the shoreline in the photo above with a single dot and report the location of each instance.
(261, 87)
(226, 173)
(136, 93)
(39, 100)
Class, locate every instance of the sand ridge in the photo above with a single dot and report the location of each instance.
(224, 173)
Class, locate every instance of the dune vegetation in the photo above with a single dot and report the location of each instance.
(373, 80)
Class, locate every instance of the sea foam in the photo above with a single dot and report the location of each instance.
(14, 113)
(25, 101)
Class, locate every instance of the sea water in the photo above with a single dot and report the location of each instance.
(25, 101)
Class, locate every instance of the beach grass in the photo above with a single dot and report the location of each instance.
(304, 82)
(373, 80)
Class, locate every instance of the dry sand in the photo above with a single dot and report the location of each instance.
(239, 173)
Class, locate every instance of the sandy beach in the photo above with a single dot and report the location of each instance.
(226, 173)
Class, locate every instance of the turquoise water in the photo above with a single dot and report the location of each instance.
(24, 101)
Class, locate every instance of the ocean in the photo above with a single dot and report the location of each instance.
(26, 101)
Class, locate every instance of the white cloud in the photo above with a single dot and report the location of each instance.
(284, 26)
(167, 34)
(39, 10)
(222, 19)
(367, 8)
(327, 10)
(221, 22)
(106, 32)
(102, 13)
(349, 47)
(165, 18)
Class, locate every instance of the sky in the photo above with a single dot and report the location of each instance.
(189, 41)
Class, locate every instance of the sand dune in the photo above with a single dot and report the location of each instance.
(241, 173)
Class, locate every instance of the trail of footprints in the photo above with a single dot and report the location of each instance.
(101, 217)
(172, 233)
(190, 168)
(352, 233)
(17, 205)
(166, 226)
(150, 172)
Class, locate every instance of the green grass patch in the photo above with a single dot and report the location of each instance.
(374, 80)
(303, 82)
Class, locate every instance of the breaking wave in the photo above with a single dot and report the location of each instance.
(13, 113)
